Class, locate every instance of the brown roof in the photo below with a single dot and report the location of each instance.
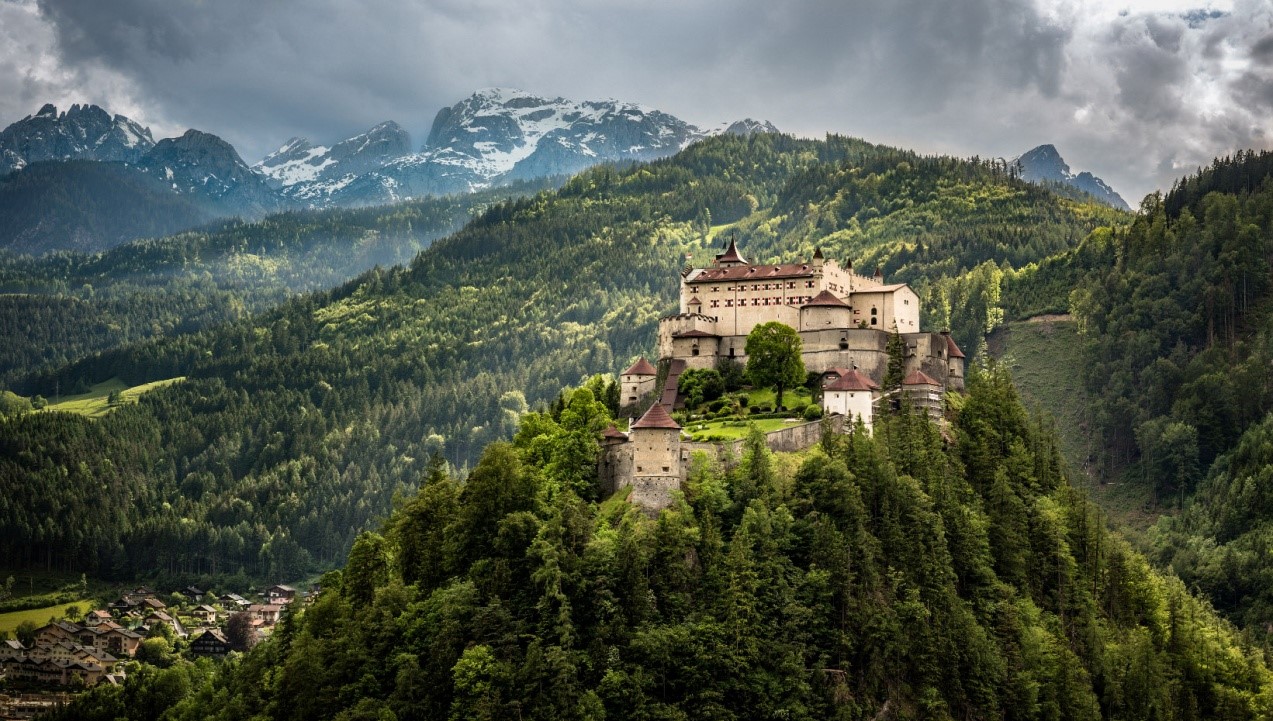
(656, 417)
(920, 378)
(695, 301)
(613, 432)
(852, 381)
(827, 299)
(754, 272)
(641, 368)
(952, 350)
(881, 288)
(731, 254)
(694, 334)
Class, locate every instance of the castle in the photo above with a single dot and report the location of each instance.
(844, 321)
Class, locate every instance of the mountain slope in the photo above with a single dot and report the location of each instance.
(309, 174)
(493, 137)
(88, 206)
(85, 132)
(203, 166)
(1044, 164)
(321, 409)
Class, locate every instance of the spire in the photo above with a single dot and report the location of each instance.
(817, 253)
(731, 254)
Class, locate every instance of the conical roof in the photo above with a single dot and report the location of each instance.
(731, 254)
(641, 368)
(952, 350)
(656, 417)
(615, 433)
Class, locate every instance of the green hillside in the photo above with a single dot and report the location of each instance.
(898, 577)
(296, 428)
(60, 308)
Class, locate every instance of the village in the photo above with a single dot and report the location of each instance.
(102, 644)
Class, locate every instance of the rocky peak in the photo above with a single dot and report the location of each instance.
(747, 126)
(1044, 163)
(84, 132)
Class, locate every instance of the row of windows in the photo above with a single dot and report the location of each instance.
(758, 286)
(794, 300)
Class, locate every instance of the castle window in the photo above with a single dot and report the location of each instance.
(694, 289)
(844, 344)
(731, 351)
(906, 301)
(715, 303)
(792, 284)
(694, 350)
(667, 469)
(632, 399)
(875, 321)
(808, 284)
(729, 302)
(874, 311)
(715, 288)
(638, 469)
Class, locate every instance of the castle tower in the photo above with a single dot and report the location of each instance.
(954, 363)
(825, 311)
(852, 395)
(636, 382)
(657, 463)
(731, 257)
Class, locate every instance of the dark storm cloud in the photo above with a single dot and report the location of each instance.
(1125, 95)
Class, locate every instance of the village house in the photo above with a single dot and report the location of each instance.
(279, 593)
(204, 614)
(212, 642)
(267, 613)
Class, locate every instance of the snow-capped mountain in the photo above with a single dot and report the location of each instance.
(1045, 163)
(85, 132)
(308, 172)
(205, 166)
(495, 136)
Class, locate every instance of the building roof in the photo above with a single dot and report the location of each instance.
(854, 380)
(731, 254)
(919, 378)
(212, 633)
(642, 367)
(205, 608)
(695, 333)
(656, 417)
(613, 432)
(281, 587)
(882, 288)
(952, 350)
(754, 272)
(694, 301)
(825, 299)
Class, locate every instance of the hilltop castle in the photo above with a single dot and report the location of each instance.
(844, 320)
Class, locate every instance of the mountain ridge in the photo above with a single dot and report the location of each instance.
(1044, 163)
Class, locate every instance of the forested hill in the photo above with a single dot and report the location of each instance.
(1175, 313)
(296, 428)
(61, 307)
(905, 576)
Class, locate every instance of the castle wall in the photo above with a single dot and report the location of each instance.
(614, 467)
(815, 318)
(659, 466)
(633, 388)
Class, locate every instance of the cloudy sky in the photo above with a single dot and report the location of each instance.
(1139, 91)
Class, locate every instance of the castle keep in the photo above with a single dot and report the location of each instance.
(844, 321)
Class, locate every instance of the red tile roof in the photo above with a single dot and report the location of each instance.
(852, 381)
(920, 378)
(826, 299)
(656, 417)
(613, 432)
(641, 368)
(754, 272)
(952, 350)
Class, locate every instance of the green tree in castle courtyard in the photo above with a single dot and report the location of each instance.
(773, 357)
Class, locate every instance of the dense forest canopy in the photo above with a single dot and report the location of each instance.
(902, 576)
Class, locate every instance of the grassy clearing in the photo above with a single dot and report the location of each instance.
(95, 403)
(767, 397)
(1046, 362)
(40, 616)
(721, 428)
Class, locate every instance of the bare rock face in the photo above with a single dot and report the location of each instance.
(205, 166)
(85, 132)
(1044, 163)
